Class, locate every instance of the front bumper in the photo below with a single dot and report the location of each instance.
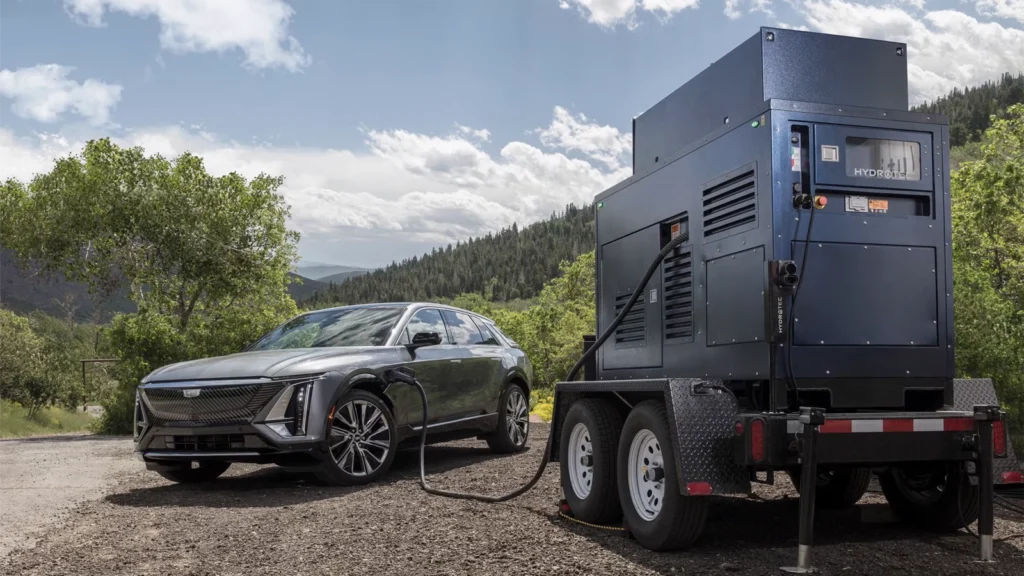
(236, 421)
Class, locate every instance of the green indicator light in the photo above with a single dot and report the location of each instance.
(755, 124)
(600, 204)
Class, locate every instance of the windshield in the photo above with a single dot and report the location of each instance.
(344, 327)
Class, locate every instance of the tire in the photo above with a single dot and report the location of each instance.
(912, 496)
(838, 488)
(590, 428)
(361, 440)
(186, 474)
(675, 521)
(513, 428)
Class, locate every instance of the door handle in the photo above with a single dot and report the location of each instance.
(456, 361)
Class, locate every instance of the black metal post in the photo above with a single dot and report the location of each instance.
(984, 416)
(811, 418)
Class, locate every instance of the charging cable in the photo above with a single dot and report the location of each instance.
(406, 376)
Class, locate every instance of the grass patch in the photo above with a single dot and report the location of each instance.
(15, 421)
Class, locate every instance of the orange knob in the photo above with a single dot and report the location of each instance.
(820, 201)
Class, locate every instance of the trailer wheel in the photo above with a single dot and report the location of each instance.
(659, 517)
(837, 488)
(589, 437)
(936, 496)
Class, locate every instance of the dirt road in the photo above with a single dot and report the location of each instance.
(261, 520)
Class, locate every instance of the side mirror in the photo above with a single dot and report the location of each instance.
(422, 339)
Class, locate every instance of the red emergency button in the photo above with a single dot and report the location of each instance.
(820, 201)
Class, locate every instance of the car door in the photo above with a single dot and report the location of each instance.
(476, 375)
(433, 366)
(491, 348)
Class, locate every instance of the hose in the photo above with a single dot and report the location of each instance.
(790, 378)
(396, 375)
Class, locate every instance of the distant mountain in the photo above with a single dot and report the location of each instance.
(318, 271)
(341, 276)
(307, 288)
(23, 292)
(506, 265)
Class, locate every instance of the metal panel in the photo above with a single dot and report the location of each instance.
(866, 295)
(637, 341)
(971, 392)
(736, 298)
(832, 69)
(772, 64)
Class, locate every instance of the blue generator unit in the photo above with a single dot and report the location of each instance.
(775, 295)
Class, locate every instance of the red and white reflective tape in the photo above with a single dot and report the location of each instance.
(888, 425)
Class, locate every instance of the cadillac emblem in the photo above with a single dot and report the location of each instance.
(190, 393)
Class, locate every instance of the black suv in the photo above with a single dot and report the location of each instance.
(312, 392)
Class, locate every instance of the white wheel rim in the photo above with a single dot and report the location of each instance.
(646, 490)
(581, 461)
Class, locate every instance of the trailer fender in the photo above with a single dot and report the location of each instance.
(968, 392)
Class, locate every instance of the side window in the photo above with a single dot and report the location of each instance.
(464, 331)
(426, 320)
(485, 332)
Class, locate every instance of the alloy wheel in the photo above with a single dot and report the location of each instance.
(517, 417)
(360, 438)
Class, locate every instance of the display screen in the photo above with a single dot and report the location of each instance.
(883, 159)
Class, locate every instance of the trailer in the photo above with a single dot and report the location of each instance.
(798, 314)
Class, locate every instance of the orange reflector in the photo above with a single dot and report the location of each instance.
(1015, 477)
(698, 489)
(757, 440)
(330, 416)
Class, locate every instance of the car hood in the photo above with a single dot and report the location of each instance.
(272, 363)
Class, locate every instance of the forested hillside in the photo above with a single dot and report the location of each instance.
(508, 265)
(970, 110)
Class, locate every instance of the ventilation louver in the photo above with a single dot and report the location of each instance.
(633, 330)
(677, 289)
(730, 204)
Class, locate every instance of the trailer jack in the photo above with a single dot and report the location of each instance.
(810, 420)
(984, 416)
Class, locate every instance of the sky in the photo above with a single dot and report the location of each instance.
(399, 126)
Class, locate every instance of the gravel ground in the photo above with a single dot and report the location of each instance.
(42, 479)
(262, 520)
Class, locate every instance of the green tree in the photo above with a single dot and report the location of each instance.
(988, 261)
(21, 360)
(204, 258)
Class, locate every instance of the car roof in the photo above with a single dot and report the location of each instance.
(410, 305)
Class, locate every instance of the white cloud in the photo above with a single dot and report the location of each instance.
(482, 134)
(430, 189)
(611, 13)
(257, 27)
(576, 134)
(734, 8)
(44, 93)
(946, 48)
(1009, 9)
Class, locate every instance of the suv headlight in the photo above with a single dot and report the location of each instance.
(139, 421)
(290, 414)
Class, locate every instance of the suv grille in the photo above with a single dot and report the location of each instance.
(216, 404)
